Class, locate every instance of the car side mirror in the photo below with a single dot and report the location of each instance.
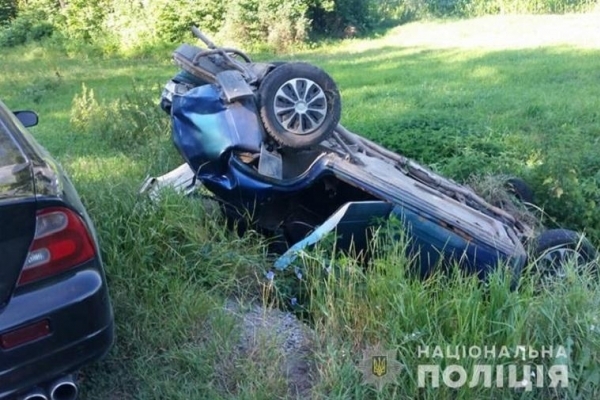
(27, 118)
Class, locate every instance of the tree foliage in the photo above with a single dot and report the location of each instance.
(278, 23)
(24, 23)
(172, 19)
(343, 17)
(8, 11)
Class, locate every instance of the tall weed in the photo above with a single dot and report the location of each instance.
(127, 123)
(352, 309)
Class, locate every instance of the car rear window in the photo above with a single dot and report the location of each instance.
(10, 153)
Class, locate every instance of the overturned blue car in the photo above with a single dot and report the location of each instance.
(265, 139)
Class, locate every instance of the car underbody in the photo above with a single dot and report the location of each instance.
(265, 140)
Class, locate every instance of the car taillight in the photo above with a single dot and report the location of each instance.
(61, 242)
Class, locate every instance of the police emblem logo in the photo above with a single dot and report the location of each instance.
(379, 366)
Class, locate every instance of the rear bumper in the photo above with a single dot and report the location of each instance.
(81, 322)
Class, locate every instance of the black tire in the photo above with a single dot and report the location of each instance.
(290, 86)
(555, 246)
(276, 64)
(520, 189)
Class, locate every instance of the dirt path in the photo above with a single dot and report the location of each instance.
(282, 334)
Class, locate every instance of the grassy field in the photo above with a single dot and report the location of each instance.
(514, 95)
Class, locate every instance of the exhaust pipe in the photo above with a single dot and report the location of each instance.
(64, 388)
(35, 394)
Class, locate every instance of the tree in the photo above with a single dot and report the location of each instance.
(8, 11)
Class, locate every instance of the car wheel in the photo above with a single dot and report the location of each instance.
(520, 189)
(300, 105)
(276, 64)
(555, 247)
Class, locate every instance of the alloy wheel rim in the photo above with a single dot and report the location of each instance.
(300, 106)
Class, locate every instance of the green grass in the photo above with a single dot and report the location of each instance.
(468, 97)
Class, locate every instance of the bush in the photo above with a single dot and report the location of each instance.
(25, 27)
(125, 25)
(173, 19)
(8, 11)
(16, 33)
(339, 17)
(274, 22)
(122, 24)
(84, 19)
(568, 179)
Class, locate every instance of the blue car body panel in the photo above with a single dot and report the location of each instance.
(435, 244)
(430, 242)
(204, 129)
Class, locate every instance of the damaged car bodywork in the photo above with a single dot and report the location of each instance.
(326, 183)
(342, 182)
